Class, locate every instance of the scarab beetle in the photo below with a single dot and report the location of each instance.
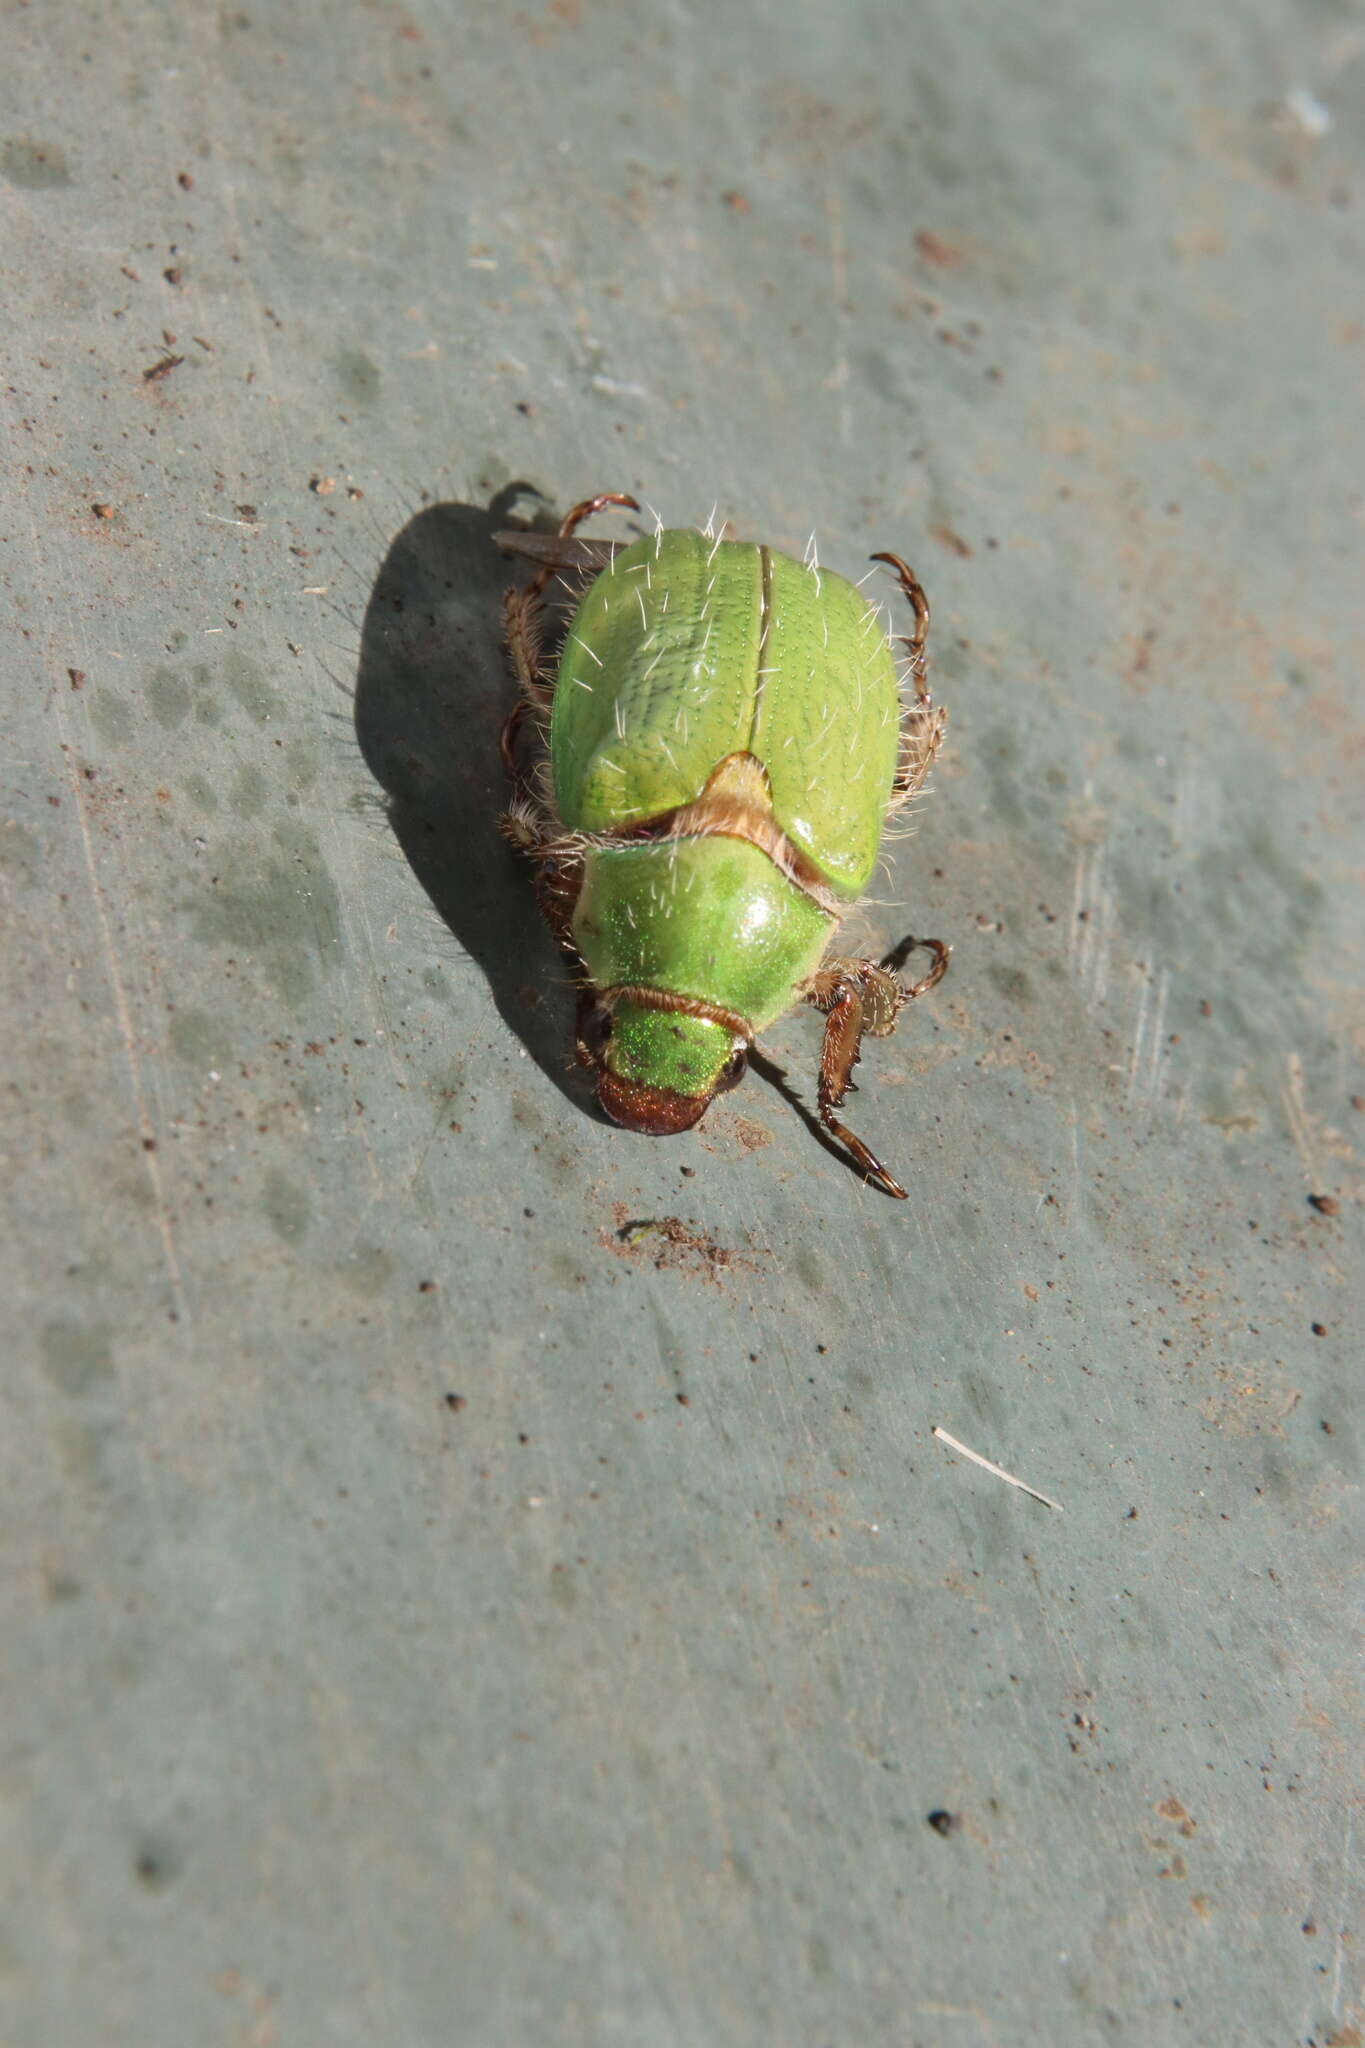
(723, 740)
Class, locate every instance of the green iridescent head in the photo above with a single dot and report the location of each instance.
(658, 1068)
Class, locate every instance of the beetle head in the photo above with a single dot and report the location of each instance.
(658, 1069)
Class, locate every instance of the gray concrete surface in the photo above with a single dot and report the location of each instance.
(607, 1702)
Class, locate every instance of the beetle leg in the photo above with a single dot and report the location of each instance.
(521, 631)
(885, 995)
(507, 739)
(585, 510)
(521, 616)
(922, 723)
(559, 877)
(856, 996)
(914, 643)
(898, 956)
(574, 519)
(523, 827)
(844, 1019)
(860, 996)
(880, 992)
(589, 1034)
(921, 737)
(521, 612)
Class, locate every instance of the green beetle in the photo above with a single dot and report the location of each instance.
(726, 739)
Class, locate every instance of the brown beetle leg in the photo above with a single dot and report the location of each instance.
(574, 519)
(855, 995)
(521, 617)
(838, 1058)
(922, 723)
(942, 955)
(589, 1035)
(507, 738)
(559, 877)
(914, 643)
(921, 737)
(521, 633)
(860, 996)
(521, 614)
(586, 507)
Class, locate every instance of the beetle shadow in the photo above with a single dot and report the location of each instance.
(432, 691)
(777, 1077)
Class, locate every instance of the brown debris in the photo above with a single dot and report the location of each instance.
(749, 1133)
(1171, 1808)
(672, 1245)
(933, 248)
(949, 538)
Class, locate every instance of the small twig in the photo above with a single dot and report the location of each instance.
(998, 1470)
(162, 369)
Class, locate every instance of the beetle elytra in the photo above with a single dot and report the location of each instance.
(723, 740)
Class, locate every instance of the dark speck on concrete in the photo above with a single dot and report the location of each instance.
(156, 1865)
(35, 166)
